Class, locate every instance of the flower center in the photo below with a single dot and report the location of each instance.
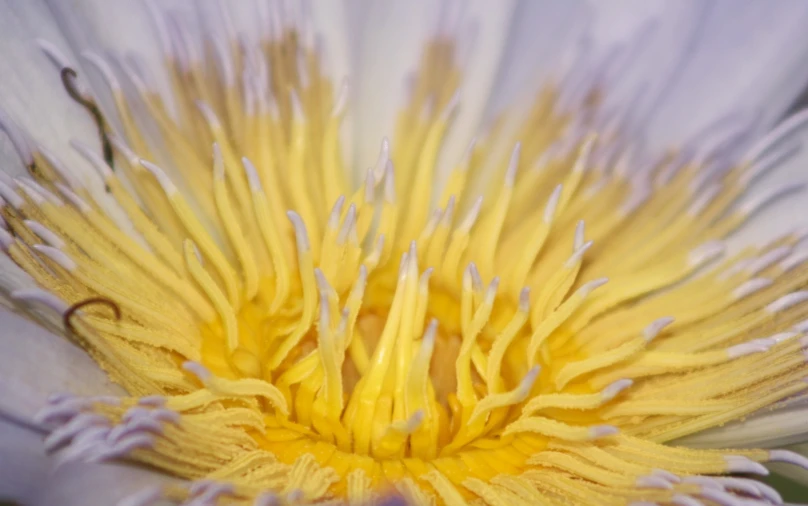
(310, 338)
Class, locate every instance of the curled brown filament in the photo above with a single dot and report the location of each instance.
(71, 311)
(68, 76)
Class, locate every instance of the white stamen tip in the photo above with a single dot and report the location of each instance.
(787, 301)
(297, 107)
(267, 499)
(252, 175)
(492, 289)
(78, 424)
(788, 457)
(471, 218)
(758, 202)
(431, 331)
(207, 113)
(801, 327)
(155, 401)
(103, 67)
(764, 261)
(513, 164)
(145, 497)
(526, 385)
(57, 256)
(74, 199)
(667, 475)
(446, 220)
(6, 239)
(652, 331)
(614, 389)
(576, 257)
(370, 186)
(53, 53)
(685, 500)
(30, 189)
(748, 288)
(389, 183)
(579, 236)
(301, 235)
(12, 197)
(748, 348)
(161, 176)
(451, 106)
(653, 482)
(704, 200)
(741, 464)
(17, 137)
(123, 149)
(777, 135)
(599, 431)
(720, 497)
(336, 212)
(706, 253)
(384, 157)
(33, 188)
(90, 155)
(584, 154)
(218, 163)
(524, 300)
(45, 234)
(795, 259)
(348, 225)
(552, 204)
(198, 370)
(783, 336)
(588, 288)
(40, 296)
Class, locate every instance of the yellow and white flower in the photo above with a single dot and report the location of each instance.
(444, 252)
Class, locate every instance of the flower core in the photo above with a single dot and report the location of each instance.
(303, 340)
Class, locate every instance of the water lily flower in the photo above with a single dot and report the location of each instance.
(417, 252)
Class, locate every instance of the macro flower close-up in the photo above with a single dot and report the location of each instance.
(424, 252)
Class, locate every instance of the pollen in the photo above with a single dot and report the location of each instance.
(537, 329)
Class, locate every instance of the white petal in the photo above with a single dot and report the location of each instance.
(786, 214)
(112, 29)
(30, 476)
(78, 484)
(31, 90)
(630, 48)
(128, 29)
(773, 429)
(32, 94)
(391, 38)
(749, 59)
(12, 277)
(36, 363)
(539, 35)
(23, 462)
(796, 473)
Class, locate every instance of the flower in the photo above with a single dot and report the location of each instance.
(540, 323)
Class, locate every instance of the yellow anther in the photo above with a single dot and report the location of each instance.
(217, 298)
(504, 340)
(198, 233)
(515, 396)
(418, 398)
(330, 358)
(309, 287)
(465, 390)
(232, 226)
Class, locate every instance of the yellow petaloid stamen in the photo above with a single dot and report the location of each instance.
(307, 341)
